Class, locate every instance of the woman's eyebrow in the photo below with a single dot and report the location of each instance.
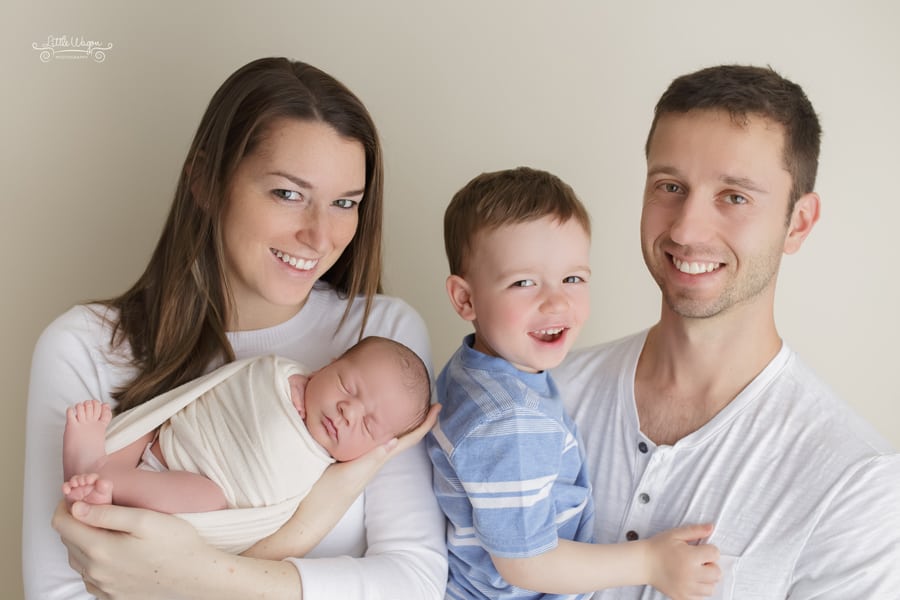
(300, 182)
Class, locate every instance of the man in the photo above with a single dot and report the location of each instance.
(708, 416)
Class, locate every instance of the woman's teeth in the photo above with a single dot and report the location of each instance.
(297, 263)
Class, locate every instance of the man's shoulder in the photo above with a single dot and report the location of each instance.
(608, 356)
(826, 413)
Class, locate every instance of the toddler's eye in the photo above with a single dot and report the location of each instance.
(573, 279)
(524, 283)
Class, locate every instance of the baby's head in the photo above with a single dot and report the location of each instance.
(377, 390)
(518, 245)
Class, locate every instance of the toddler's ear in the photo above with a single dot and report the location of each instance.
(461, 297)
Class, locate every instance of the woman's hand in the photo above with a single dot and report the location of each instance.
(353, 476)
(125, 552)
(332, 495)
(140, 554)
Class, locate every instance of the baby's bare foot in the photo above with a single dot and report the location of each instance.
(84, 437)
(88, 488)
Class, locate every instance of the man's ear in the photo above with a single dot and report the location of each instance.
(461, 297)
(803, 217)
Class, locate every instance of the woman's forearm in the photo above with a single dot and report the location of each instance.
(406, 555)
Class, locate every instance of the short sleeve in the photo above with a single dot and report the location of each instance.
(508, 466)
(855, 548)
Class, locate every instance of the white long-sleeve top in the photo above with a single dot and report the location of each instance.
(389, 544)
(804, 495)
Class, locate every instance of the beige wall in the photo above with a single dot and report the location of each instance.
(90, 150)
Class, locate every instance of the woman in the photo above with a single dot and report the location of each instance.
(272, 245)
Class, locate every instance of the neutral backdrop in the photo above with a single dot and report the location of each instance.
(90, 151)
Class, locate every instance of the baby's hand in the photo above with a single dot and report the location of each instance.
(679, 568)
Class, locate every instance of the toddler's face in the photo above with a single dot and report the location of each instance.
(359, 402)
(529, 291)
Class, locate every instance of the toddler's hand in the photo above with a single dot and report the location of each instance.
(681, 569)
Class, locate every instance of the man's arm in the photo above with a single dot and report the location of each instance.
(855, 548)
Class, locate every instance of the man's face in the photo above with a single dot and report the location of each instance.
(714, 221)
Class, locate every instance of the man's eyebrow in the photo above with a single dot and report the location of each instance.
(664, 170)
(300, 182)
(743, 182)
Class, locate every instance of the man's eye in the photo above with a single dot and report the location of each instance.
(736, 199)
(672, 188)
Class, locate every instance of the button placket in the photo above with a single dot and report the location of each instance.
(637, 524)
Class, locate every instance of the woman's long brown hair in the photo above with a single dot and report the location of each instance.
(174, 317)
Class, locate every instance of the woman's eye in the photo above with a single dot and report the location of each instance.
(524, 283)
(291, 195)
(345, 203)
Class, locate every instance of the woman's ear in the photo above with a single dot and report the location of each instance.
(461, 297)
(803, 217)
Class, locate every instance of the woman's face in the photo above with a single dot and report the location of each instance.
(291, 209)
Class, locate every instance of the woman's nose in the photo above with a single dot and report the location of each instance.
(312, 227)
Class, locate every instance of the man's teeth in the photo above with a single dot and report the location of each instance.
(297, 263)
(693, 268)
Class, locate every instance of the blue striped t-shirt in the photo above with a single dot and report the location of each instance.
(509, 471)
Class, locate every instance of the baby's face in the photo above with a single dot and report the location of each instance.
(359, 402)
(529, 291)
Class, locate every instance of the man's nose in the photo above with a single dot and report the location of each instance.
(692, 221)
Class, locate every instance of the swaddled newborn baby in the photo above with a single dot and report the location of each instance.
(251, 437)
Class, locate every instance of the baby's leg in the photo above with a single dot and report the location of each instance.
(119, 480)
(167, 491)
(88, 488)
(84, 437)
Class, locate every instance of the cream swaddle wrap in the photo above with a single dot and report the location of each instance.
(238, 427)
